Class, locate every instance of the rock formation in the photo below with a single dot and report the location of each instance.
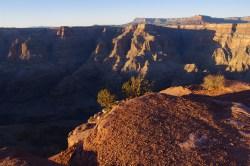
(158, 129)
(195, 20)
(177, 91)
(190, 68)
(137, 48)
(75, 62)
(41, 68)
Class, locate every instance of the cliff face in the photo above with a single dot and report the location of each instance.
(47, 44)
(62, 59)
(134, 48)
(141, 46)
(232, 50)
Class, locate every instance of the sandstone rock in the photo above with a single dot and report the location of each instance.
(63, 32)
(75, 156)
(136, 48)
(120, 48)
(25, 53)
(43, 64)
(157, 52)
(177, 91)
(79, 134)
(231, 38)
(190, 68)
(14, 50)
(164, 130)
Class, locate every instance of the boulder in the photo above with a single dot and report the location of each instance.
(177, 91)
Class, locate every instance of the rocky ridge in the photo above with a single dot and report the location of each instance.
(192, 130)
(194, 20)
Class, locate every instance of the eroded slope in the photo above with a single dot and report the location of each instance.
(157, 129)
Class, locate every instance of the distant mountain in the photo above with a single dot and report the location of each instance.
(195, 20)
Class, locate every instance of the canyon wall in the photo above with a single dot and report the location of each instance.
(233, 44)
(67, 60)
(52, 75)
(129, 48)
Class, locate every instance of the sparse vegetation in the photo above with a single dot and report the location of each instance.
(106, 99)
(136, 86)
(211, 82)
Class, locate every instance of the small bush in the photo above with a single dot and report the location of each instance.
(106, 99)
(211, 82)
(136, 86)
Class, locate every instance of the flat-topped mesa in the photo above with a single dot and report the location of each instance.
(194, 20)
(170, 21)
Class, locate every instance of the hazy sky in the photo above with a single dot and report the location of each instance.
(25, 13)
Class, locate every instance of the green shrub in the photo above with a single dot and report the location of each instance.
(211, 82)
(106, 99)
(136, 86)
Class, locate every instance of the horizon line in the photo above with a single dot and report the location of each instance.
(91, 25)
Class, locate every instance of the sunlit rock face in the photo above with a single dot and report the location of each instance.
(66, 60)
(141, 46)
(135, 48)
(232, 44)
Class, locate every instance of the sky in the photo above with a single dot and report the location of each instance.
(30, 13)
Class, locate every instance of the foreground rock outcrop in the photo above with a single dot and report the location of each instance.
(177, 91)
(157, 129)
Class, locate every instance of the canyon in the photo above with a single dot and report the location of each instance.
(49, 79)
(66, 61)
